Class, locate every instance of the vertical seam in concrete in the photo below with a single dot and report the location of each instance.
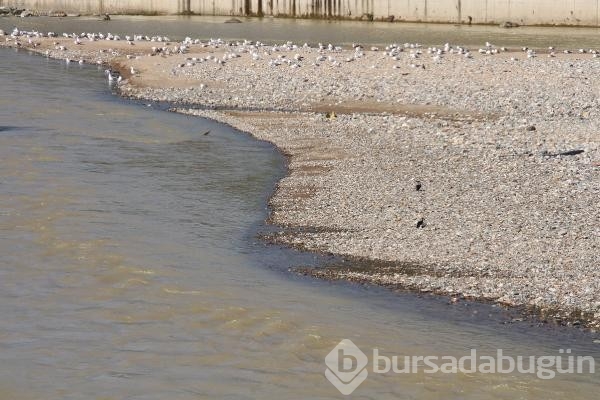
(486, 12)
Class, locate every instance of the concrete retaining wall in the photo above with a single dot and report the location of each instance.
(525, 12)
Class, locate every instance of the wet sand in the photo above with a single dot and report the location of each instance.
(481, 174)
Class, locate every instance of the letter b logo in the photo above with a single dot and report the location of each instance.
(346, 366)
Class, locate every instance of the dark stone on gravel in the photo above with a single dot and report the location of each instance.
(564, 153)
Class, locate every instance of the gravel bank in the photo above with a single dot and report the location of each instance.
(471, 175)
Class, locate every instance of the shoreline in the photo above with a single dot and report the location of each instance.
(408, 276)
(360, 270)
(352, 175)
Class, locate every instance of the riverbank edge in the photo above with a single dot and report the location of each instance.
(290, 235)
(365, 270)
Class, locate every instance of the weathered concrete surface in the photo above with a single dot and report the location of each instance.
(524, 12)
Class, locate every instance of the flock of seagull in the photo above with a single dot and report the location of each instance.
(79, 39)
(276, 54)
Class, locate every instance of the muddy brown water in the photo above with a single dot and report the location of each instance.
(130, 268)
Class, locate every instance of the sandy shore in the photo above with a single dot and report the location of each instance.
(475, 177)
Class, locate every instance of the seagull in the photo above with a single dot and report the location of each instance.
(114, 77)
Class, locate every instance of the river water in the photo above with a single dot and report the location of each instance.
(274, 30)
(130, 268)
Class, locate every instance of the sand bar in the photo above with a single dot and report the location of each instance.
(470, 176)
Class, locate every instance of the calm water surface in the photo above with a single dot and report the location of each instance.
(129, 268)
(273, 30)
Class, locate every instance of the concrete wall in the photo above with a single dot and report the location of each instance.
(526, 12)
(100, 6)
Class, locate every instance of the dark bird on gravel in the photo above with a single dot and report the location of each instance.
(421, 223)
(418, 186)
